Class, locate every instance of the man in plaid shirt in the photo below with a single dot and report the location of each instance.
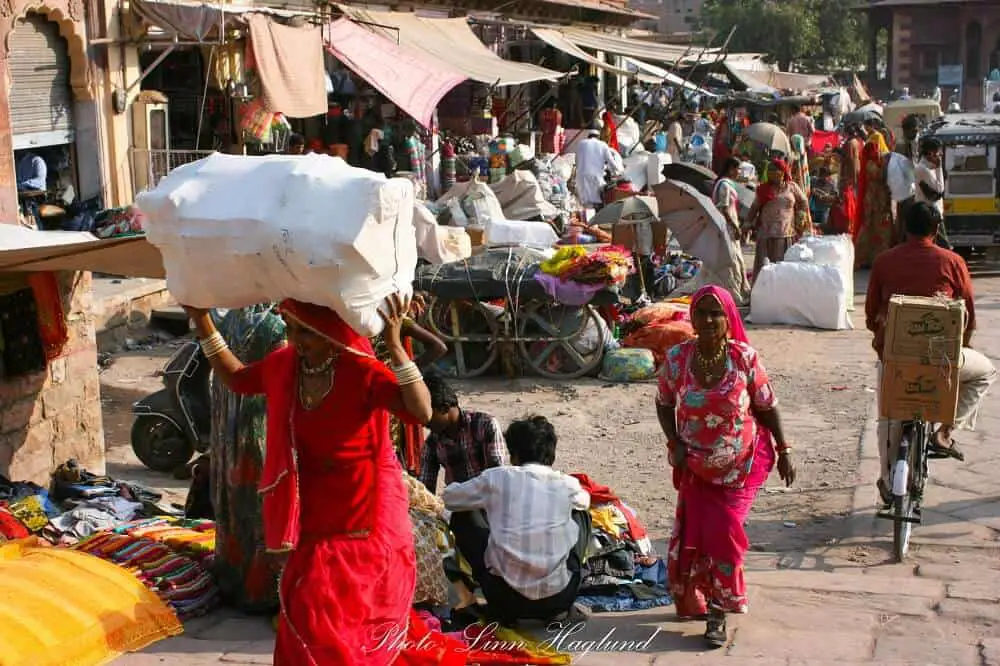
(463, 443)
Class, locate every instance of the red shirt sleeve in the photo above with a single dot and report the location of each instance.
(250, 379)
(965, 291)
(384, 391)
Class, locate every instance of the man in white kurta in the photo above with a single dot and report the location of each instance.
(593, 156)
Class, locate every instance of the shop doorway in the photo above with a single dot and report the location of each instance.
(42, 118)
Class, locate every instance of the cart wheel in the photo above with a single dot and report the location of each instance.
(561, 342)
(470, 331)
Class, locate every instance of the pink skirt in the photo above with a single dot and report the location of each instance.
(709, 542)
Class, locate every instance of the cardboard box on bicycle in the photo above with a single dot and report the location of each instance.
(913, 390)
(919, 329)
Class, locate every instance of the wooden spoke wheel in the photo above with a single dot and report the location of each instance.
(561, 342)
(470, 330)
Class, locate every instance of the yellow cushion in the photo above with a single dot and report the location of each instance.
(67, 608)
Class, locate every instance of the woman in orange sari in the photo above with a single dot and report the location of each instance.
(335, 508)
(875, 231)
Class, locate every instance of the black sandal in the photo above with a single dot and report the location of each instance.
(937, 451)
(715, 631)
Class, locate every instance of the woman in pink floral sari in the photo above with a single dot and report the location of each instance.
(720, 416)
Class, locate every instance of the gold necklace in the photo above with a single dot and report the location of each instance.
(709, 365)
(311, 402)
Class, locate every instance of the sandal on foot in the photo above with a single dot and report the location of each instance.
(952, 451)
(884, 492)
(715, 631)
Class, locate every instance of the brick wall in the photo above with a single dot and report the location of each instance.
(52, 416)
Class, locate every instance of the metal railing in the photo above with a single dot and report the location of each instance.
(149, 167)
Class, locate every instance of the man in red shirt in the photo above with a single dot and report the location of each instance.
(919, 267)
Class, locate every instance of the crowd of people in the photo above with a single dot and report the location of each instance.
(303, 404)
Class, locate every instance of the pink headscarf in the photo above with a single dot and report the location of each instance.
(736, 330)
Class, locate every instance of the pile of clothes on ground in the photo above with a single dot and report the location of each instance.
(121, 522)
(171, 556)
(646, 333)
(622, 571)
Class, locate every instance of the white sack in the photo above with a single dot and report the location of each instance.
(636, 171)
(236, 230)
(439, 244)
(521, 197)
(800, 294)
(501, 233)
(799, 252)
(837, 251)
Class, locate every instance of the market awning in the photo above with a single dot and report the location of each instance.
(415, 84)
(26, 250)
(791, 80)
(555, 39)
(747, 79)
(451, 44)
(660, 75)
(602, 41)
(197, 21)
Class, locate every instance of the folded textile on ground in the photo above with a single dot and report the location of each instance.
(176, 578)
(634, 597)
(60, 607)
(195, 538)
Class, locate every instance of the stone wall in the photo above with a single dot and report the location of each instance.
(52, 416)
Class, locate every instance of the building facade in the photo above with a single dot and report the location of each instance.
(674, 17)
(919, 45)
(57, 97)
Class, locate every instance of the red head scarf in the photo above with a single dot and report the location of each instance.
(326, 323)
(767, 191)
(736, 330)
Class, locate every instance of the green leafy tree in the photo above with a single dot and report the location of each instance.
(811, 34)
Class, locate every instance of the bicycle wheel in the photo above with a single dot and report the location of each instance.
(909, 476)
(902, 527)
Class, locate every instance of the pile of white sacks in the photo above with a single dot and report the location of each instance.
(813, 286)
(236, 230)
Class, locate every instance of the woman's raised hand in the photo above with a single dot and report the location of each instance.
(394, 313)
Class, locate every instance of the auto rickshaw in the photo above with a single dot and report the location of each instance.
(971, 209)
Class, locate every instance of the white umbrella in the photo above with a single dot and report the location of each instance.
(695, 222)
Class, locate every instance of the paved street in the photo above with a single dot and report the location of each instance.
(834, 602)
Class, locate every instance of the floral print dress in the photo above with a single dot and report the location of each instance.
(729, 456)
(245, 575)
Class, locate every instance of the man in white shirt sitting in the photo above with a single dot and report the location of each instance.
(528, 558)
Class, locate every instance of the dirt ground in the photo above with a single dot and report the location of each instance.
(610, 432)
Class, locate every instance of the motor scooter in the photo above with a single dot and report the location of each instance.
(174, 423)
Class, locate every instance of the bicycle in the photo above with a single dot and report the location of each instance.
(908, 479)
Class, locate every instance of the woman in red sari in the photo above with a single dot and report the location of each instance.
(876, 228)
(717, 409)
(844, 216)
(334, 502)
